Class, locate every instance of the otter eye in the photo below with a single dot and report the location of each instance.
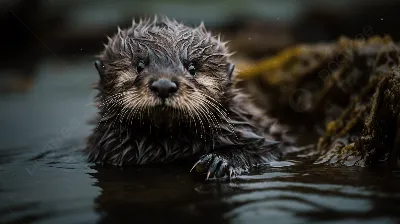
(140, 66)
(191, 69)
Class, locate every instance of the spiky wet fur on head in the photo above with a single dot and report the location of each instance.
(167, 48)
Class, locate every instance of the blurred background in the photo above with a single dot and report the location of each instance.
(67, 33)
(46, 95)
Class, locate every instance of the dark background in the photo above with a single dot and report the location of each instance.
(46, 101)
(68, 30)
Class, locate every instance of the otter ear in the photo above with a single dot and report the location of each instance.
(100, 67)
(231, 67)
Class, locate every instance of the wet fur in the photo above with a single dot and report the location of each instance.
(207, 118)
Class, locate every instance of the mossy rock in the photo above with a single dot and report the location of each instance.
(350, 88)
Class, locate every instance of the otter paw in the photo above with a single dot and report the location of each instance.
(216, 165)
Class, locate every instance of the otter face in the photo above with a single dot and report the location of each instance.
(161, 65)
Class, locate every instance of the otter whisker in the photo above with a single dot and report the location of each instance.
(215, 105)
(222, 108)
(111, 106)
(209, 112)
(203, 115)
(130, 102)
(134, 110)
(224, 117)
(195, 115)
(105, 115)
(186, 112)
(211, 119)
(125, 107)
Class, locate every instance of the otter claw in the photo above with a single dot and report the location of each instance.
(214, 165)
(230, 172)
(195, 165)
(208, 175)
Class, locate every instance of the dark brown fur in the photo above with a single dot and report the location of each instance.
(206, 118)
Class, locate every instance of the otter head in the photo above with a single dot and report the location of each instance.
(160, 70)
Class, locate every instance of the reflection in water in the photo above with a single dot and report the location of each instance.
(286, 195)
(153, 194)
(62, 187)
(316, 194)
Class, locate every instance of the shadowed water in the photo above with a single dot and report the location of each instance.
(45, 179)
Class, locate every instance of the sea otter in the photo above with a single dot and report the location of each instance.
(166, 93)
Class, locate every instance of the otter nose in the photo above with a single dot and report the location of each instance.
(164, 88)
